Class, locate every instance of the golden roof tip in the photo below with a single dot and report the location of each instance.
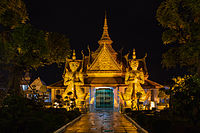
(105, 21)
(134, 54)
(74, 55)
(105, 39)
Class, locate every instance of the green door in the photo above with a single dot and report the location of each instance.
(104, 98)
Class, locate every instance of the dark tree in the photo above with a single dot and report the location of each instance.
(181, 22)
(23, 47)
(12, 13)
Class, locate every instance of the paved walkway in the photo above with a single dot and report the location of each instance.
(102, 122)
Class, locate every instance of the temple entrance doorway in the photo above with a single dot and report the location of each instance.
(104, 98)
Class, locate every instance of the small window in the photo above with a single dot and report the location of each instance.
(57, 92)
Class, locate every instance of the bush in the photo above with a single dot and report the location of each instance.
(163, 122)
(161, 126)
(30, 124)
(127, 110)
(21, 115)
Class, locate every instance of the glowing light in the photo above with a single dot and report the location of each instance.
(25, 87)
(104, 87)
(56, 105)
(152, 104)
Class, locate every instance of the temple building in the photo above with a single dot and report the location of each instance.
(105, 79)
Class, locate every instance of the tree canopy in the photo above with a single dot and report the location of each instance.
(181, 22)
(23, 47)
(27, 47)
(184, 95)
(12, 13)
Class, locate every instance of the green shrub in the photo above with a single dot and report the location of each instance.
(127, 110)
(21, 115)
(161, 126)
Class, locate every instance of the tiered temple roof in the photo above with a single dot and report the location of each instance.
(102, 67)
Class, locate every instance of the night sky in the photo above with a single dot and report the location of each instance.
(131, 25)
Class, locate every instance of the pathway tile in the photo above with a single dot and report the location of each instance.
(102, 122)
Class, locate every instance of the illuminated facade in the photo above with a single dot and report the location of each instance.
(105, 79)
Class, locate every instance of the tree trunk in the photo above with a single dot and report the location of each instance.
(198, 69)
(15, 76)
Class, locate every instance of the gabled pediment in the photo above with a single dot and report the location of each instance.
(104, 62)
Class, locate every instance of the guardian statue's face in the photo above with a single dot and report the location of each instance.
(134, 64)
(74, 66)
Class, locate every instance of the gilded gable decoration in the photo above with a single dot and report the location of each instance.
(104, 62)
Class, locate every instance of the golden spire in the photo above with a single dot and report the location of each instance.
(134, 55)
(74, 55)
(105, 39)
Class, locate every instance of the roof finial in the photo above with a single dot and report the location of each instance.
(105, 39)
(105, 22)
(134, 54)
(74, 55)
